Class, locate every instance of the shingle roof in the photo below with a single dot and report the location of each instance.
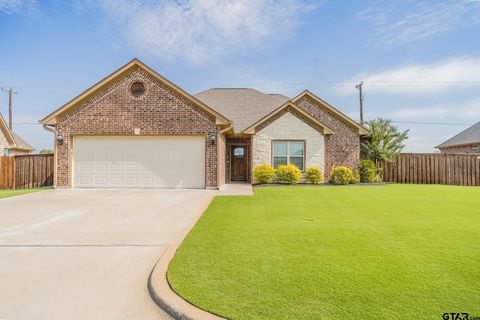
(467, 136)
(14, 139)
(243, 106)
(20, 143)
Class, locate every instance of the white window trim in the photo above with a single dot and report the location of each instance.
(288, 152)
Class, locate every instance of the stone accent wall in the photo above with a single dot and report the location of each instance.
(3, 143)
(342, 147)
(235, 142)
(115, 111)
(289, 127)
(474, 148)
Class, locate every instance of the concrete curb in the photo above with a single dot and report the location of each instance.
(166, 299)
(158, 285)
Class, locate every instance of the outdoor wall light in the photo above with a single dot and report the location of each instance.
(213, 138)
(59, 138)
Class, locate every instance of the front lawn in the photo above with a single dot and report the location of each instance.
(355, 252)
(11, 193)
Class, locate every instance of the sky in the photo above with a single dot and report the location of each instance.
(419, 60)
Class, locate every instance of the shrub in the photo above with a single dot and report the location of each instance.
(288, 174)
(341, 175)
(314, 175)
(355, 177)
(264, 173)
(368, 172)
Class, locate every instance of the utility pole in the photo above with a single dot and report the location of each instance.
(359, 87)
(10, 112)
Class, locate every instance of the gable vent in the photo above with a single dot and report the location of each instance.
(137, 88)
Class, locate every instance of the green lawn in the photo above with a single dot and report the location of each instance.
(355, 252)
(11, 193)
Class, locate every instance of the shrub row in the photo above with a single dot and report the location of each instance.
(290, 174)
(366, 173)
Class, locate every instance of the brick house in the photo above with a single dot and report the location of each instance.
(467, 141)
(137, 129)
(12, 144)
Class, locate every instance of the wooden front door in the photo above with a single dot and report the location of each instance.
(239, 160)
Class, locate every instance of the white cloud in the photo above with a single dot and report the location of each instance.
(18, 6)
(248, 78)
(463, 110)
(418, 78)
(394, 25)
(199, 30)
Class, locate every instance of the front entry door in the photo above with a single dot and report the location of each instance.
(239, 163)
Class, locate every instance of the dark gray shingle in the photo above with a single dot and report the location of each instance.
(467, 136)
(243, 106)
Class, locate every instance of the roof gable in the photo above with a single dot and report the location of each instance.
(6, 131)
(468, 136)
(289, 107)
(343, 117)
(14, 139)
(51, 118)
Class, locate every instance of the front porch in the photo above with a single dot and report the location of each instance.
(236, 189)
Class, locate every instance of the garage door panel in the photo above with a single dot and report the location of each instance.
(116, 168)
(139, 162)
(115, 182)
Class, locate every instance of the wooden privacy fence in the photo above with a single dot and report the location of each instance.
(434, 168)
(26, 171)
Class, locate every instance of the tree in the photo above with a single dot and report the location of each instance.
(385, 142)
(46, 151)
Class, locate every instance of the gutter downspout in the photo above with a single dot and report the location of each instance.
(54, 130)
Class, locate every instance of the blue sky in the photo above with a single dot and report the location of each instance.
(419, 60)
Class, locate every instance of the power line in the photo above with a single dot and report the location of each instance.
(434, 123)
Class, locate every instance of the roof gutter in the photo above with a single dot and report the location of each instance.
(457, 145)
(45, 126)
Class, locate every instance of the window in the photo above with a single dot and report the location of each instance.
(476, 147)
(289, 152)
(239, 152)
(6, 152)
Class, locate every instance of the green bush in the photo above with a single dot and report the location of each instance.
(341, 175)
(355, 177)
(368, 172)
(314, 175)
(264, 173)
(289, 174)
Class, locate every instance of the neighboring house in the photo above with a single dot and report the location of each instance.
(10, 143)
(467, 141)
(137, 129)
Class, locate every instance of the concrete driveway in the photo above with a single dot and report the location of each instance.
(87, 254)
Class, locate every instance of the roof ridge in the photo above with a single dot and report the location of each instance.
(451, 142)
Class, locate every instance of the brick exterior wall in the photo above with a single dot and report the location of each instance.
(235, 142)
(342, 147)
(113, 110)
(462, 149)
(222, 149)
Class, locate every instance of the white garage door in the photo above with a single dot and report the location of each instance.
(139, 162)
